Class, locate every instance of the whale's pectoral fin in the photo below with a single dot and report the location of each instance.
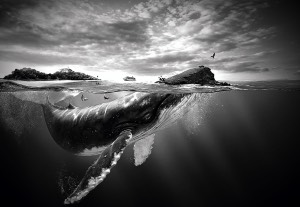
(142, 149)
(100, 168)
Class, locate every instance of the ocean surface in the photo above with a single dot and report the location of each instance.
(233, 146)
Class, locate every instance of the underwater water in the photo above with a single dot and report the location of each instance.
(211, 146)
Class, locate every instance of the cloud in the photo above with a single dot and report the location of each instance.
(150, 37)
(238, 67)
(148, 9)
(26, 37)
(167, 58)
(41, 59)
(58, 24)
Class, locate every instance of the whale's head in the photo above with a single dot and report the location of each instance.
(136, 110)
(145, 113)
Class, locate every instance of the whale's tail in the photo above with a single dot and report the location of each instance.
(51, 106)
(48, 109)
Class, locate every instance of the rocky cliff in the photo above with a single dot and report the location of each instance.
(201, 75)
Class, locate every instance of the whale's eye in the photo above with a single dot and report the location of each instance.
(147, 116)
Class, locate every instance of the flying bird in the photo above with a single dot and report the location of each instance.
(213, 56)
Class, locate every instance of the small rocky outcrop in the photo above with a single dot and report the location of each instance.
(201, 75)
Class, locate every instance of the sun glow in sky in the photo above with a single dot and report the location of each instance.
(253, 40)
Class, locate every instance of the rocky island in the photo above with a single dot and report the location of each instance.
(62, 74)
(201, 75)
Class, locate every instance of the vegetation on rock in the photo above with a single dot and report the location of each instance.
(62, 74)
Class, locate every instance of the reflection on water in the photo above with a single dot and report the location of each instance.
(236, 145)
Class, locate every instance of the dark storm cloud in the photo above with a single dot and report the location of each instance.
(15, 30)
(105, 34)
(9, 8)
(25, 36)
(41, 59)
(54, 23)
(195, 15)
(35, 36)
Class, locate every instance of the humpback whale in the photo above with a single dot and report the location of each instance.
(107, 129)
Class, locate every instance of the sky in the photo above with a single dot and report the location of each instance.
(253, 40)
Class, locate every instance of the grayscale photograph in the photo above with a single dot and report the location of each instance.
(145, 103)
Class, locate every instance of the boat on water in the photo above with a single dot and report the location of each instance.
(129, 78)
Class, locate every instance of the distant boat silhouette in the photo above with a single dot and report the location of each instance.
(128, 78)
(106, 97)
(213, 56)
